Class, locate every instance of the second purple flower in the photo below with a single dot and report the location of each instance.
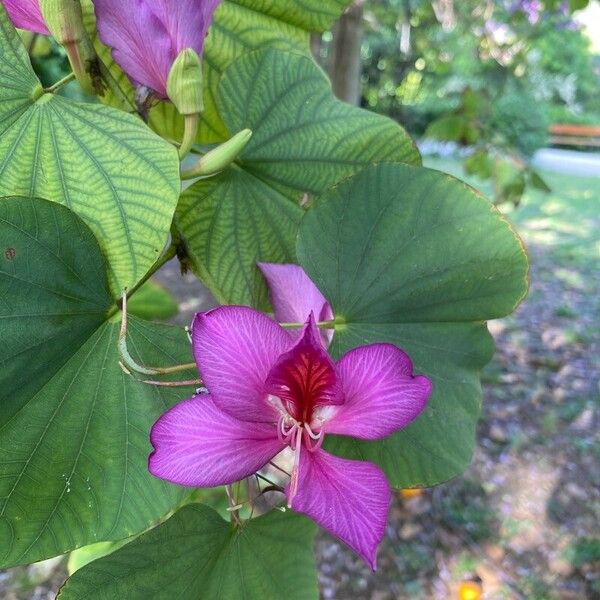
(146, 36)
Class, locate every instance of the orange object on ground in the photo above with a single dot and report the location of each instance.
(470, 590)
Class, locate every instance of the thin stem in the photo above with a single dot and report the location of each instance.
(32, 42)
(233, 506)
(174, 383)
(190, 132)
(60, 83)
(169, 254)
(267, 480)
(114, 86)
(128, 363)
(320, 325)
(279, 468)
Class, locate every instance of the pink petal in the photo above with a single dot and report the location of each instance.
(350, 499)
(186, 20)
(198, 445)
(305, 377)
(140, 42)
(294, 296)
(147, 35)
(382, 395)
(235, 348)
(26, 14)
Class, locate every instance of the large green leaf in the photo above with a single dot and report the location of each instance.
(304, 140)
(107, 166)
(73, 427)
(196, 555)
(231, 221)
(416, 258)
(310, 15)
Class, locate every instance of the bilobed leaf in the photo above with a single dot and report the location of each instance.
(105, 165)
(73, 426)
(196, 555)
(231, 221)
(304, 140)
(416, 258)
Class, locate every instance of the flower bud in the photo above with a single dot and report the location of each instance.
(185, 82)
(64, 20)
(220, 158)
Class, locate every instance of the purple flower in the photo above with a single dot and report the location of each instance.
(146, 36)
(26, 14)
(294, 296)
(269, 391)
(531, 8)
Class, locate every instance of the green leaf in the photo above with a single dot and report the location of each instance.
(479, 163)
(416, 258)
(153, 302)
(538, 182)
(231, 221)
(310, 15)
(73, 427)
(83, 556)
(577, 4)
(448, 128)
(105, 165)
(304, 140)
(196, 555)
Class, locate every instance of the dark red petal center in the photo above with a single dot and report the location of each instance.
(305, 377)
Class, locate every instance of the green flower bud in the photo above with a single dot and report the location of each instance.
(184, 84)
(220, 158)
(64, 20)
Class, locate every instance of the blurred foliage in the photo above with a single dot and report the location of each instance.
(465, 506)
(584, 551)
(488, 75)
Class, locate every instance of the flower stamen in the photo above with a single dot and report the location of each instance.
(297, 441)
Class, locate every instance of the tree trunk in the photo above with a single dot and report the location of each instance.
(345, 67)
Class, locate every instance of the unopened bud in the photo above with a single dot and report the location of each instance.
(220, 158)
(64, 20)
(184, 84)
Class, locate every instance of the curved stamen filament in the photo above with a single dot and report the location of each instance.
(313, 442)
(314, 436)
(295, 471)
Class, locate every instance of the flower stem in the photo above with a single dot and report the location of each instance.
(320, 325)
(233, 506)
(113, 85)
(189, 134)
(169, 254)
(174, 383)
(62, 82)
(128, 363)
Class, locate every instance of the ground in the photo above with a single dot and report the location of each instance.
(524, 519)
